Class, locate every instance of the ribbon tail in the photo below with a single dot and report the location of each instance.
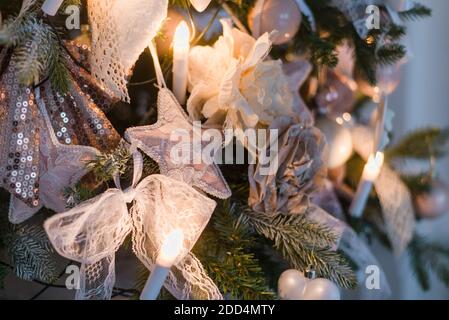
(97, 280)
(189, 281)
(397, 207)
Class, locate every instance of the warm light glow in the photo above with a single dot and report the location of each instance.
(373, 167)
(171, 248)
(347, 116)
(376, 97)
(182, 37)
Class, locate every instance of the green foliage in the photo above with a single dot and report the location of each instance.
(31, 254)
(4, 271)
(421, 144)
(118, 162)
(418, 11)
(418, 183)
(225, 251)
(426, 256)
(37, 51)
(304, 243)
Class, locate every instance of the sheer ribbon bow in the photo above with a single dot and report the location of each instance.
(92, 232)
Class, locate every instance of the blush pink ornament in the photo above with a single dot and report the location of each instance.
(284, 17)
(339, 146)
(433, 203)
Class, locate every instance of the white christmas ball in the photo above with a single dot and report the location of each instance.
(321, 289)
(283, 16)
(291, 285)
(339, 146)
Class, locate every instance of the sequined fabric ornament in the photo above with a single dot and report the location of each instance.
(76, 117)
(19, 137)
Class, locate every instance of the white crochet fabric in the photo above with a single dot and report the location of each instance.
(121, 30)
(394, 196)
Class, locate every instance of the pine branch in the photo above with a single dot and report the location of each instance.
(224, 249)
(417, 12)
(421, 144)
(4, 271)
(119, 161)
(426, 256)
(31, 254)
(304, 243)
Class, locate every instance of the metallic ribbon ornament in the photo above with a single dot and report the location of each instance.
(43, 134)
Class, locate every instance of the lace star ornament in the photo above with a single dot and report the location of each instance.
(158, 143)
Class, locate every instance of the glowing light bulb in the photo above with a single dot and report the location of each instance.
(171, 248)
(373, 167)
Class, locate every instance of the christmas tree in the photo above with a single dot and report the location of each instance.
(296, 173)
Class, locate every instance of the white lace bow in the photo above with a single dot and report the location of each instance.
(92, 232)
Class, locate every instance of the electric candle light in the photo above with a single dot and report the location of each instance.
(370, 174)
(181, 49)
(51, 7)
(171, 249)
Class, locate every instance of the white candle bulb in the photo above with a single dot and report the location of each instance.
(170, 251)
(373, 167)
(51, 7)
(181, 48)
(171, 248)
(370, 174)
(200, 5)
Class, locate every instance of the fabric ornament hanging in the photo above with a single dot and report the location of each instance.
(394, 196)
(93, 231)
(121, 30)
(40, 131)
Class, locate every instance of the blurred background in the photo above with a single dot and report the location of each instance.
(422, 100)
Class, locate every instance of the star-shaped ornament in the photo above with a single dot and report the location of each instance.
(158, 142)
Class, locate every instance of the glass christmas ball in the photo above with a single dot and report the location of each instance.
(339, 146)
(434, 202)
(291, 285)
(321, 289)
(283, 16)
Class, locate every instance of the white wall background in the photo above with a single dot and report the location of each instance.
(423, 100)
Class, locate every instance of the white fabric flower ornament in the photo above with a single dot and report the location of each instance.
(232, 84)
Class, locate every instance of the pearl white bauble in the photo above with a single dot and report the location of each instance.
(283, 16)
(339, 146)
(291, 285)
(321, 289)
